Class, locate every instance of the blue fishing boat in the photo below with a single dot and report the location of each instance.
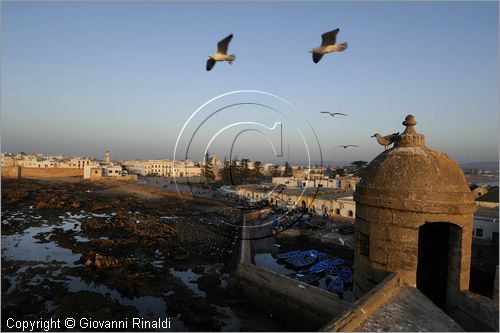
(321, 266)
(336, 286)
(295, 257)
(332, 271)
(302, 261)
(299, 274)
(346, 274)
(301, 254)
(287, 255)
(309, 278)
(314, 253)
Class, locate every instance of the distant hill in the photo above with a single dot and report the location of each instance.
(481, 165)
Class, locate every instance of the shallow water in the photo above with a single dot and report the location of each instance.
(190, 280)
(149, 307)
(32, 248)
(25, 247)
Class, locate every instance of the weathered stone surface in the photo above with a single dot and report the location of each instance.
(378, 254)
(403, 189)
(362, 225)
(408, 311)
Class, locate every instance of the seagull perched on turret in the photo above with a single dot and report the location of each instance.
(346, 146)
(385, 140)
(328, 40)
(333, 114)
(221, 54)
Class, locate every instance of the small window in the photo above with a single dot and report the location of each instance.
(479, 232)
(337, 211)
(350, 213)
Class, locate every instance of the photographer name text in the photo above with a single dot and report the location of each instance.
(86, 323)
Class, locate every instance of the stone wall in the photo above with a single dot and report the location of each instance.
(41, 173)
(364, 307)
(10, 171)
(392, 244)
(289, 298)
(482, 309)
(122, 178)
(286, 297)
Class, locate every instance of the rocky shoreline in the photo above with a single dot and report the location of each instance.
(97, 250)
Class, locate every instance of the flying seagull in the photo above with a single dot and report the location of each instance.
(333, 114)
(385, 140)
(328, 40)
(346, 146)
(221, 54)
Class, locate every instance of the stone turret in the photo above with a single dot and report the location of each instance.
(107, 158)
(414, 213)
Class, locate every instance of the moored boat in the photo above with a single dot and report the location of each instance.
(336, 286)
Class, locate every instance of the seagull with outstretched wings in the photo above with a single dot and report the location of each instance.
(346, 146)
(221, 54)
(333, 114)
(328, 44)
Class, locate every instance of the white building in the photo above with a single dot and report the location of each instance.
(7, 160)
(164, 168)
(28, 161)
(485, 228)
(46, 161)
(111, 170)
(334, 204)
(346, 183)
(77, 162)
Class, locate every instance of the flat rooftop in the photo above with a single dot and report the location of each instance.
(409, 311)
(487, 212)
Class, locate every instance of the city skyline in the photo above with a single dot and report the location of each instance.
(78, 78)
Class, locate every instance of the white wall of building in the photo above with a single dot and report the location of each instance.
(112, 171)
(164, 168)
(483, 228)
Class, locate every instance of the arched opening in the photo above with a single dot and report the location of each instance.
(438, 270)
(304, 206)
(337, 211)
(350, 213)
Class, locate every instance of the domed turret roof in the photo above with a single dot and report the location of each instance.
(412, 177)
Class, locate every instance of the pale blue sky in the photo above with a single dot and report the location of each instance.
(79, 78)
